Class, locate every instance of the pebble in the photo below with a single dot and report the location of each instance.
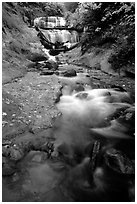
(13, 114)
(13, 120)
(11, 124)
(7, 102)
(15, 177)
(38, 116)
(4, 114)
(4, 123)
(16, 153)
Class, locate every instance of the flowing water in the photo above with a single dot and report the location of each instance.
(65, 176)
(61, 36)
(56, 35)
(36, 177)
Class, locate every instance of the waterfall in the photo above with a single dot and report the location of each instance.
(74, 37)
(56, 35)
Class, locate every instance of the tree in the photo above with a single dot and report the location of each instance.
(108, 23)
(71, 6)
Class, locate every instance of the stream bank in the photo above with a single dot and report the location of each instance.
(29, 125)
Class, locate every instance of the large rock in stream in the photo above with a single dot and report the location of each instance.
(69, 73)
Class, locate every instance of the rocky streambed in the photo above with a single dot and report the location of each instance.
(31, 170)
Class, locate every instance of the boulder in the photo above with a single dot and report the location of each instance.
(37, 57)
(69, 73)
(51, 64)
(13, 152)
(118, 162)
(8, 167)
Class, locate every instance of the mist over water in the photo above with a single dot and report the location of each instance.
(87, 117)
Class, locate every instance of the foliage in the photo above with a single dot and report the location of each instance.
(53, 9)
(107, 23)
(71, 6)
(37, 9)
(9, 17)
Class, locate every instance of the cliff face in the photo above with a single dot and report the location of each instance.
(16, 39)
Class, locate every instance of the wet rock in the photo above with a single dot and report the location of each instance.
(32, 66)
(56, 72)
(82, 95)
(69, 73)
(37, 158)
(119, 163)
(46, 72)
(15, 177)
(37, 57)
(118, 88)
(79, 87)
(54, 52)
(14, 152)
(8, 167)
(58, 94)
(128, 119)
(51, 64)
(40, 157)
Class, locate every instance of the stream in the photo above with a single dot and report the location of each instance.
(38, 163)
(28, 181)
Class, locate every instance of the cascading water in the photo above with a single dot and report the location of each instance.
(51, 21)
(56, 35)
(61, 36)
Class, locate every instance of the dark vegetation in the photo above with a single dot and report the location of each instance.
(109, 24)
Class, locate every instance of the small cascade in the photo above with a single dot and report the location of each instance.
(74, 37)
(66, 35)
(51, 21)
(61, 36)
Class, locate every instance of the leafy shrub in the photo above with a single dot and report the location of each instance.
(111, 23)
(39, 9)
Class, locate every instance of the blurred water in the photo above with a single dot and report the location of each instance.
(65, 175)
(62, 36)
(56, 35)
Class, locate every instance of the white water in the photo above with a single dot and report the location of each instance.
(90, 111)
(63, 36)
(83, 120)
(56, 35)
